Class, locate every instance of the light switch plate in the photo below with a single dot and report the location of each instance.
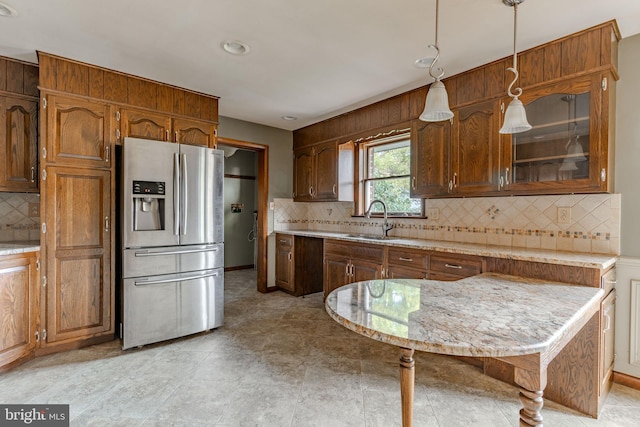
(564, 215)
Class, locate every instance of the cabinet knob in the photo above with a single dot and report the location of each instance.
(33, 174)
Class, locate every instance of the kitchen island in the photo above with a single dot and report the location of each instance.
(523, 322)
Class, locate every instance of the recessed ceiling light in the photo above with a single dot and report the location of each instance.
(289, 118)
(6, 10)
(423, 62)
(235, 47)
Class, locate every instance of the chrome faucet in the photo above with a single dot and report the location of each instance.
(386, 225)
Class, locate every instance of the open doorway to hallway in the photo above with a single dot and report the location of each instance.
(246, 204)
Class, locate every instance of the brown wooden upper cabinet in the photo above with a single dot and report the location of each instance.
(18, 144)
(430, 153)
(323, 172)
(144, 124)
(567, 149)
(78, 131)
(195, 132)
(458, 157)
(162, 127)
(475, 153)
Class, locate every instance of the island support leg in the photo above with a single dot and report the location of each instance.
(532, 384)
(407, 380)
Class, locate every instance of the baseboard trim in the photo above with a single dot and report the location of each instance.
(239, 267)
(626, 380)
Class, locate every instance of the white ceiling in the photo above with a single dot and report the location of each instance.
(311, 59)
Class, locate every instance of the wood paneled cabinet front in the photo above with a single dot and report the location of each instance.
(347, 262)
(567, 150)
(78, 132)
(298, 264)
(78, 237)
(145, 124)
(285, 262)
(459, 157)
(19, 300)
(18, 144)
(323, 172)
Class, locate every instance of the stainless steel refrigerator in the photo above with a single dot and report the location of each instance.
(172, 240)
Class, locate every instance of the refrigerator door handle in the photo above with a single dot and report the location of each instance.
(183, 195)
(176, 194)
(177, 279)
(145, 253)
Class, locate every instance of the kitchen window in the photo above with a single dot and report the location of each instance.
(386, 176)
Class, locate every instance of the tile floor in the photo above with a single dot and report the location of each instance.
(278, 361)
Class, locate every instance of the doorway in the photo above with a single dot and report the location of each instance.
(259, 199)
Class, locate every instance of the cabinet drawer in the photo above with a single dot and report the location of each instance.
(401, 272)
(284, 240)
(409, 258)
(461, 266)
(373, 253)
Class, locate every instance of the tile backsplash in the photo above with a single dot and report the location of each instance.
(15, 222)
(577, 223)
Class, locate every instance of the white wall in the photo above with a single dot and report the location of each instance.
(627, 163)
(280, 184)
(628, 144)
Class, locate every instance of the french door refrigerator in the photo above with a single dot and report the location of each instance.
(172, 240)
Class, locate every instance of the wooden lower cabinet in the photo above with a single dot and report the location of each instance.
(407, 264)
(78, 262)
(580, 376)
(346, 262)
(284, 262)
(19, 300)
(298, 264)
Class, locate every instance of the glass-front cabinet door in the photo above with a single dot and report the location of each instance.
(561, 153)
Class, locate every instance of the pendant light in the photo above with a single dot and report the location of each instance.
(436, 106)
(515, 119)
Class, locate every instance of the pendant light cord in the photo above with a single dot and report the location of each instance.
(440, 70)
(517, 91)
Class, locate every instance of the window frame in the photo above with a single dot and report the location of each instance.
(364, 150)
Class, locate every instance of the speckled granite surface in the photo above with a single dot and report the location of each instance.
(18, 247)
(488, 315)
(535, 255)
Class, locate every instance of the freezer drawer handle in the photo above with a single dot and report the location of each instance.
(181, 279)
(189, 251)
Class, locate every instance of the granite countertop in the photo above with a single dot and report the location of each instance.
(10, 248)
(489, 315)
(576, 259)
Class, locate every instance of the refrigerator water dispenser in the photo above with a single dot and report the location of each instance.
(148, 205)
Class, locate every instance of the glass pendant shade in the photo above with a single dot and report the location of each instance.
(436, 107)
(515, 119)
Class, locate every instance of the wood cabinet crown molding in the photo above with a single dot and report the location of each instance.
(68, 76)
(588, 51)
